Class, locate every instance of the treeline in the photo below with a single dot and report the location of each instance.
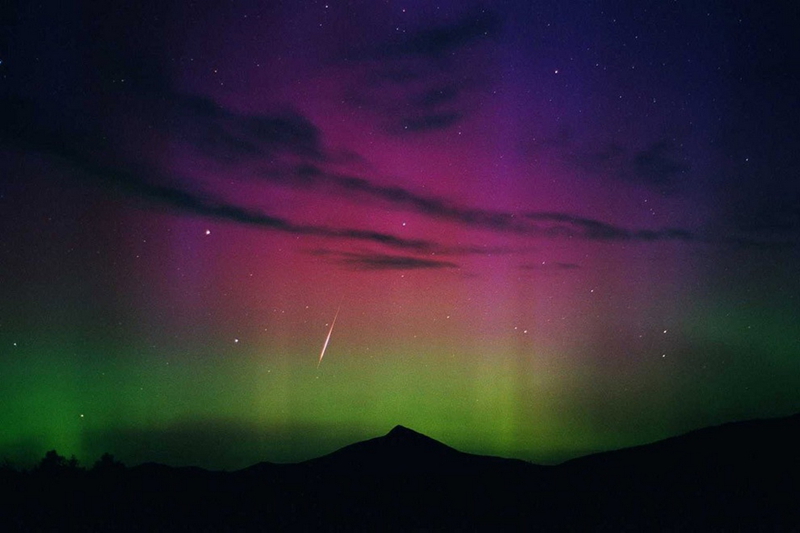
(54, 463)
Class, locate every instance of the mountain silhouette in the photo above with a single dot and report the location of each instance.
(738, 476)
(403, 451)
(401, 446)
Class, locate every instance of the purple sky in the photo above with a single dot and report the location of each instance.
(550, 228)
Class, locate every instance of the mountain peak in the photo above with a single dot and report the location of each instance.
(400, 437)
(403, 432)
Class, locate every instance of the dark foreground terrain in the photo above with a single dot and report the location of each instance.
(736, 477)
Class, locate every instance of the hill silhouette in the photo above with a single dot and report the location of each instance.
(739, 476)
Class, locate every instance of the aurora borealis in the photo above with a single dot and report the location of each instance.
(550, 228)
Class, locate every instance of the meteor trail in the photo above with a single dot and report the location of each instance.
(328, 338)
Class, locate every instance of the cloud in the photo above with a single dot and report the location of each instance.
(762, 242)
(425, 80)
(212, 206)
(762, 213)
(768, 222)
(430, 121)
(379, 261)
(434, 41)
(548, 266)
(781, 218)
(228, 136)
(149, 184)
(565, 225)
(542, 224)
(295, 142)
(659, 165)
(436, 96)
(772, 208)
(310, 176)
(608, 158)
(213, 131)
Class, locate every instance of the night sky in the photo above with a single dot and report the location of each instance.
(544, 228)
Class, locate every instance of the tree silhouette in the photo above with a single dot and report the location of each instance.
(73, 463)
(7, 466)
(54, 464)
(107, 464)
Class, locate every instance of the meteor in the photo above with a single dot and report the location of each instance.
(328, 338)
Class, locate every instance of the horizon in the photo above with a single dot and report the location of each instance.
(397, 429)
(262, 231)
